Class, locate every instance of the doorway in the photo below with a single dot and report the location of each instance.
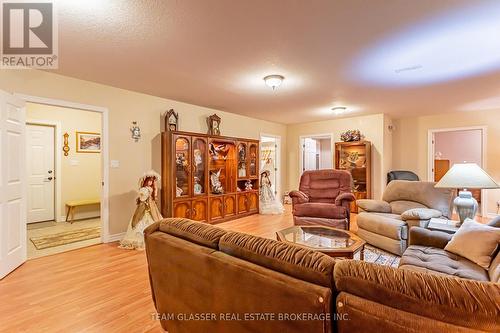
(449, 146)
(59, 179)
(316, 152)
(40, 167)
(270, 153)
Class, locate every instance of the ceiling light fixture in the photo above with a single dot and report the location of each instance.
(339, 109)
(274, 80)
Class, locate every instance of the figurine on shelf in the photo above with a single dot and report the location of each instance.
(218, 151)
(215, 182)
(178, 190)
(248, 185)
(180, 160)
(198, 189)
(351, 135)
(146, 212)
(242, 166)
(268, 202)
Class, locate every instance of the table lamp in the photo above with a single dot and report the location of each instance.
(466, 176)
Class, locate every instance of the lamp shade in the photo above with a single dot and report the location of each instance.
(466, 176)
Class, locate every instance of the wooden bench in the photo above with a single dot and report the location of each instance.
(71, 205)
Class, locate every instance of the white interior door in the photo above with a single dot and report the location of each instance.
(12, 184)
(310, 159)
(40, 171)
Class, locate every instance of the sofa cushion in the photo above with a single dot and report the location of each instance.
(318, 209)
(378, 206)
(422, 192)
(401, 206)
(388, 225)
(434, 260)
(287, 258)
(196, 232)
(494, 271)
(475, 241)
(420, 214)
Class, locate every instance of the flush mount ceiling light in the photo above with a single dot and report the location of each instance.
(339, 109)
(274, 80)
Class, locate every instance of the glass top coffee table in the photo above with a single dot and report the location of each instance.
(330, 241)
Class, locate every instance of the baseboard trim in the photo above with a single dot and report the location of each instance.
(114, 237)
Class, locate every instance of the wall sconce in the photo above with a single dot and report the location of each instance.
(65, 144)
(136, 131)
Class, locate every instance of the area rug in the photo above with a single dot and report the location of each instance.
(380, 257)
(66, 237)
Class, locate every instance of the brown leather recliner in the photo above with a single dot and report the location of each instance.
(323, 199)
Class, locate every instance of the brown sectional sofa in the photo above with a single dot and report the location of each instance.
(228, 277)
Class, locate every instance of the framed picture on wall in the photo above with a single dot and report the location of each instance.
(88, 142)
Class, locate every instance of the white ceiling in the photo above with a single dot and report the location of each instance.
(215, 53)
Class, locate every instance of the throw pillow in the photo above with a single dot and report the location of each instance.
(476, 242)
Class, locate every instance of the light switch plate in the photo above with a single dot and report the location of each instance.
(115, 163)
(74, 162)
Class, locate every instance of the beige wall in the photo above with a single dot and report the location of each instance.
(124, 107)
(371, 126)
(75, 166)
(411, 144)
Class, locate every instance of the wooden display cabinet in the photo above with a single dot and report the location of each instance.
(189, 160)
(355, 157)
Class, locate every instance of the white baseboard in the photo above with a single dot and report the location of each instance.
(114, 237)
(492, 215)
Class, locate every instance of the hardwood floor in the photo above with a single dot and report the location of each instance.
(100, 288)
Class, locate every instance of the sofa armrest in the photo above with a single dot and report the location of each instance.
(375, 206)
(298, 197)
(461, 302)
(342, 197)
(426, 237)
(420, 214)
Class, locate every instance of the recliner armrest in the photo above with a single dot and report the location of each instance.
(375, 206)
(426, 237)
(461, 302)
(345, 196)
(420, 214)
(298, 197)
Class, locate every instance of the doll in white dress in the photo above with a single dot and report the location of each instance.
(268, 202)
(146, 212)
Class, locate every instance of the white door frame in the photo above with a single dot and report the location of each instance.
(278, 161)
(105, 236)
(431, 154)
(57, 173)
(301, 148)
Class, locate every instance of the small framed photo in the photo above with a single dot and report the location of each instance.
(88, 142)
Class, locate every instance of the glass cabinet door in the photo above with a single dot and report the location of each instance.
(253, 160)
(242, 160)
(182, 166)
(199, 168)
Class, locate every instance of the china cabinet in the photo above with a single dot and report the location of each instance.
(355, 157)
(209, 178)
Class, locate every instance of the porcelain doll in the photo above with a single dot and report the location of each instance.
(198, 158)
(146, 212)
(268, 202)
(248, 185)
